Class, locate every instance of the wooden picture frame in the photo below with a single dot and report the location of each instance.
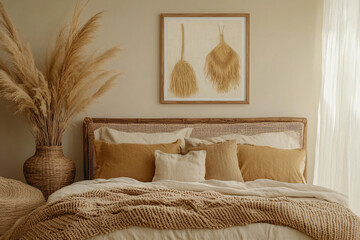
(205, 84)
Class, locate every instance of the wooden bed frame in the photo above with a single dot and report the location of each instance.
(203, 127)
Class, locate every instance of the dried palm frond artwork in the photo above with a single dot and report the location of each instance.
(183, 80)
(222, 66)
(70, 81)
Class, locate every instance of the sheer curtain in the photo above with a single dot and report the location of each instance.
(338, 140)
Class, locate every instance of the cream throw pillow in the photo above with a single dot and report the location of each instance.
(282, 140)
(186, 168)
(221, 161)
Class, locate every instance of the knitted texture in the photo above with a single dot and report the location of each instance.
(103, 211)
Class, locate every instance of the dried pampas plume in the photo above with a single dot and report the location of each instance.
(222, 66)
(183, 80)
(72, 78)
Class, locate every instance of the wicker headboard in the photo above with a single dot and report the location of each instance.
(203, 127)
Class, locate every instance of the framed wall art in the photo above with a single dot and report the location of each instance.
(205, 58)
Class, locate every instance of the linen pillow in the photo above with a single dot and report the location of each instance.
(115, 136)
(221, 161)
(283, 140)
(283, 165)
(186, 168)
(129, 160)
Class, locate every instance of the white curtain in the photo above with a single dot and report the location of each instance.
(338, 140)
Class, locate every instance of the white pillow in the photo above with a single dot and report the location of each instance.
(185, 168)
(282, 140)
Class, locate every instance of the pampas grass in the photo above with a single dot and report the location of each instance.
(222, 66)
(72, 79)
(183, 80)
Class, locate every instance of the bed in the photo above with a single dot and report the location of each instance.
(203, 128)
(125, 208)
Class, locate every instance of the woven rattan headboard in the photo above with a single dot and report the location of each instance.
(203, 127)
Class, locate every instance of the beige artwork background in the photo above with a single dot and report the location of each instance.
(201, 37)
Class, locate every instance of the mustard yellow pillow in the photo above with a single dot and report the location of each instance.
(283, 165)
(129, 159)
(221, 161)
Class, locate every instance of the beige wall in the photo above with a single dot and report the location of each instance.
(284, 79)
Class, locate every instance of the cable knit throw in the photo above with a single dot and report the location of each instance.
(103, 211)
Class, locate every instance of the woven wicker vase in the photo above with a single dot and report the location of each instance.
(49, 170)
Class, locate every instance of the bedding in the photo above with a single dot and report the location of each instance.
(280, 152)
(130, 160)
(221, 161)
(187, 168)
(286, 165)
(282, 140)
(269, 210)
(115, 136)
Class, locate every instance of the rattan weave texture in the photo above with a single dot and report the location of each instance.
(16, 200)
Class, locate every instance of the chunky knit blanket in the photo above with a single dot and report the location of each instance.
(103, 211)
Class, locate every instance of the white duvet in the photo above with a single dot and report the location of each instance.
(261, 188)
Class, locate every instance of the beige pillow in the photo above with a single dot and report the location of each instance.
(129, 160)
(257, 162)
(186, 168)
(283, 140)
(115, 136)
(221, 161)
